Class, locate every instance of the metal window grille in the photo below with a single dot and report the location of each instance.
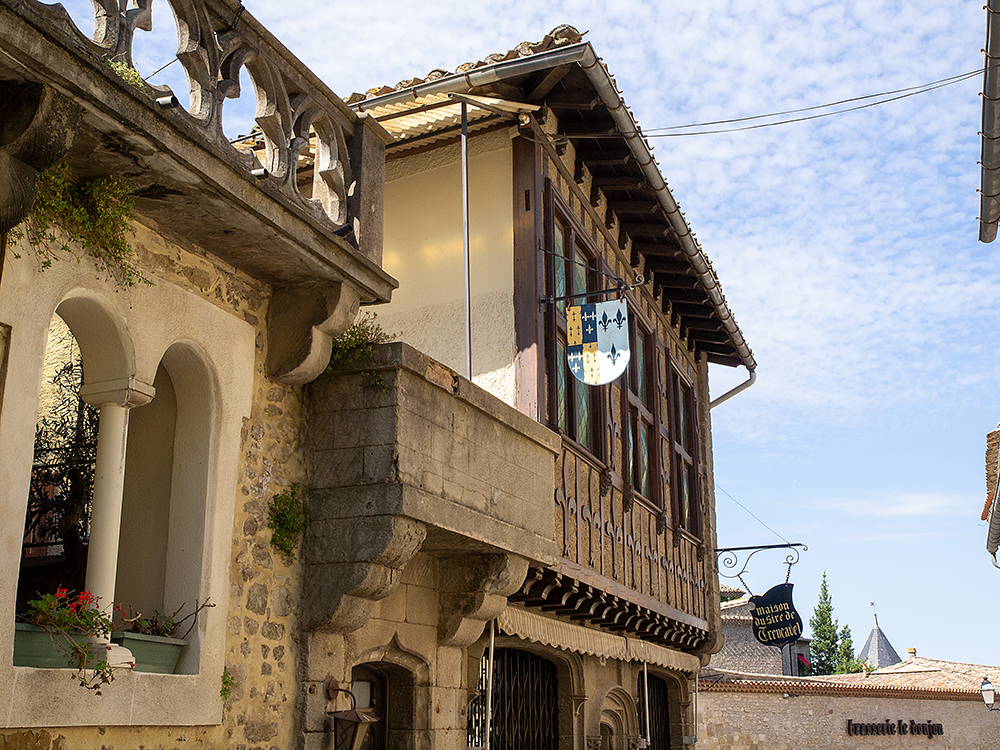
(659, 712)
(525, 712)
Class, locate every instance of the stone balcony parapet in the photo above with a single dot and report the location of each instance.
(404, 455)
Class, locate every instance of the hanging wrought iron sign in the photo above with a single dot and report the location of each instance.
(775, 621)
(597, 341)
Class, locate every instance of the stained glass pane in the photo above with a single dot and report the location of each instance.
(560, 266)
(584, 425)
(640, 366)
(628, 458)
(644, 443)
(562, 421)
(686, 496)
(579, 273)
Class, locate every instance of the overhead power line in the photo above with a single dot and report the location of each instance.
(751, 513)
(883, 98)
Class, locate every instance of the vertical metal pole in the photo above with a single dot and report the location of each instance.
(645, 687)
(465, 240)
(489, 680)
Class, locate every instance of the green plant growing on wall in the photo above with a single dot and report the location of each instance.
(94, 216)
(227, 683)
(129, 74)
(287, 520)
(358, 343)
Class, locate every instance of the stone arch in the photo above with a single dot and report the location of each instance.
(405, 718)
(162, 554)
(569, 673)
(618, 712)
(102, 334)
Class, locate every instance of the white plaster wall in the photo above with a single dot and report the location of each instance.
(150, 320)
(423, 249)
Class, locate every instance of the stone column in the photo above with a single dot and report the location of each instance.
(114, 399)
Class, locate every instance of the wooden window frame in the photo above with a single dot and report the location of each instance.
(644, 409)
(688, 517)
(559, 216)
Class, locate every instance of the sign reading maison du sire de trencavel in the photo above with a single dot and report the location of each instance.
(597, 344)
(775, 621)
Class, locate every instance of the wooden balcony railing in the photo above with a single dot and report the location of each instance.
(617, 570)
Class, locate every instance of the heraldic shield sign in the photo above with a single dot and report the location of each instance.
(597, 341)
(775, 621)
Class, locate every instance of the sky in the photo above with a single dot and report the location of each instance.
(847, 249)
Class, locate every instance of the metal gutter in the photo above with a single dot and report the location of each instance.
(583, 54)
(989, 201)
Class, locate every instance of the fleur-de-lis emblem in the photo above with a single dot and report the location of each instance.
(605, 321)
(620, 320)
(614, 355)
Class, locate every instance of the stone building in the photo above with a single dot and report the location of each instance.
(198, 376)
(572, 526)
(916, 703)
(607, 576)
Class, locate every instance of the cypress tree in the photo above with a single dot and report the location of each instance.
(823, 650)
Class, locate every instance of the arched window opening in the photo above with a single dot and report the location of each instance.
(57, 522)
(525, 709)
(386, 692)
(161, 546)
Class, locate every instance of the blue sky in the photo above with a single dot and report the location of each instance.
(847, 248)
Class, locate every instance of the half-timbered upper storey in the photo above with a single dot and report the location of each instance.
(565, 198)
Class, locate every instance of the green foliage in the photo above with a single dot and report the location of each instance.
(358, 342)
(287, 520)
(129, 74)
(846, 661)
(94, 216)
(64, 616)
(823, 648)
(831, 650)
(227, 683)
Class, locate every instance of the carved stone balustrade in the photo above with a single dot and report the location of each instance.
(305, 216)
(406, 456)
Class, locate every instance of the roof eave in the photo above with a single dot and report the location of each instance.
(583, 54)
(989, 210)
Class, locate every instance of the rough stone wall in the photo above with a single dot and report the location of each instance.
(731, 721)
(261, 712)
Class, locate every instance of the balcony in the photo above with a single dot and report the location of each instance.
(406, 456)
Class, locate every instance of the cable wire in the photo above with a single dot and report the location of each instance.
(751, 513)
(910, 89)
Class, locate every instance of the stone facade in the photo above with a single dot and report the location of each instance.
(440, 517)
(789, 718)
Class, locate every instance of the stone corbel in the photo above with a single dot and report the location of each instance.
(351, 563)
(302, 321)
(474, 590)
(36, 131)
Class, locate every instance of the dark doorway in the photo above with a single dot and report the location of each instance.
(525, 712)
(659, 712)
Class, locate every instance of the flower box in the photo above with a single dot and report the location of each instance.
(152, 653)
(35, 646)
